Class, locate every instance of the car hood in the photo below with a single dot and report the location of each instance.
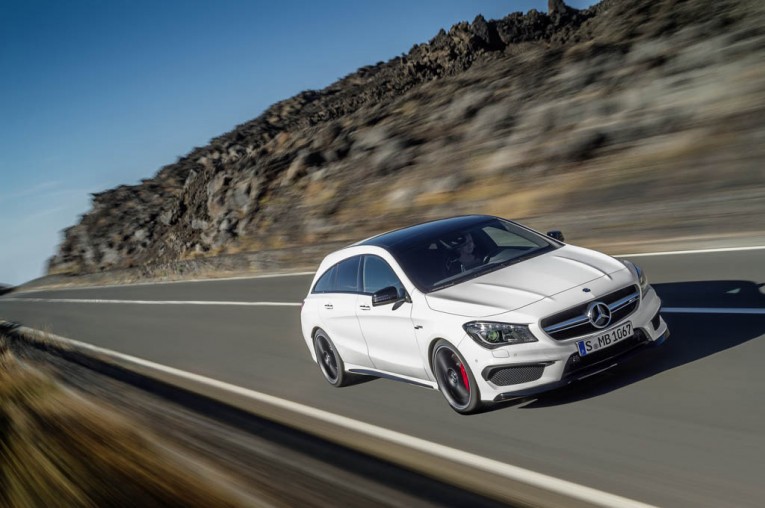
(524, 283)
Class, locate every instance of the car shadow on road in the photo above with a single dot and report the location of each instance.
(693, 336)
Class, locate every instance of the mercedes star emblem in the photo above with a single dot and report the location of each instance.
(599, 314)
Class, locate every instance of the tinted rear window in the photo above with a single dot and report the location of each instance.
(326, 282)
(341, 278)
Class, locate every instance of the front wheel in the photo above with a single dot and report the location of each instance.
(454, 378)
(329, 360)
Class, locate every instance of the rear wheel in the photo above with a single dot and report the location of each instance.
(329, 360)
(454, 378)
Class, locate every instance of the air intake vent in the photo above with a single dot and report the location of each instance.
(505, 376)
(656, 320)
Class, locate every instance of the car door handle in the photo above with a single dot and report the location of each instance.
(328, 306)
(364, 307)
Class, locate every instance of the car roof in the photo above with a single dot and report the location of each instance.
(400, 237)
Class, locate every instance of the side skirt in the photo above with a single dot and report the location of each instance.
(393, 377)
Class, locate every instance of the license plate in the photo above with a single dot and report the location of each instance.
(605, 339)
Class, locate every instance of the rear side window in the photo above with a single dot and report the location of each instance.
(341, 278)
(348, 275)
(326, 282)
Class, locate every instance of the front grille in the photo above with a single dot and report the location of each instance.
(504, 376)
(578, 363)
(574, 322)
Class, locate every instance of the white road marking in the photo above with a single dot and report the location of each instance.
(153, 302)
(694, 251)
(712, 310)
(515, 473)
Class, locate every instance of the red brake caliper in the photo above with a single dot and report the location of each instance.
(464, 377)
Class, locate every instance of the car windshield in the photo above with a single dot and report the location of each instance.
(433, 263)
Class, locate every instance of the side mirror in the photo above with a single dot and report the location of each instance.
(385, 296)
(556, 235)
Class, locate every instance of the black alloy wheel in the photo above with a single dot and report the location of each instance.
(455, 380)
(329, 359)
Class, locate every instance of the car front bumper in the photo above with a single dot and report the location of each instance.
(522, 370)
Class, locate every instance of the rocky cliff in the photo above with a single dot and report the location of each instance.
(634, 117)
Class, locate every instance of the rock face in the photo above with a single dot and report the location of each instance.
(557, 8)
(534, 115)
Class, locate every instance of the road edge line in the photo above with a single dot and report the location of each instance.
(689, 251)
(486, 476)
(714, 310)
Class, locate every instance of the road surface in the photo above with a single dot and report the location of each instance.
(682, 425)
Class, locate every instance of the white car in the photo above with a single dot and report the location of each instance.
(481, 308)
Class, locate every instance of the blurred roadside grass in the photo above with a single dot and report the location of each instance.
(59, 449)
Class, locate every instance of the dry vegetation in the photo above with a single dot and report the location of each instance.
(59, 449)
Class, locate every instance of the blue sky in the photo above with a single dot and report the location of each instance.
(98, 93)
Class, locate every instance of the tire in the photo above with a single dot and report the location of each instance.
(330, 363)
(455, 379)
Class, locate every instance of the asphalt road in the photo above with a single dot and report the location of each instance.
(681, 425)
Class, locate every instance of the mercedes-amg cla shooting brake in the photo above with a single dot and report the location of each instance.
(482, 309)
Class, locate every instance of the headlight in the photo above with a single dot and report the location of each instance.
(642, 279)
(491, 335)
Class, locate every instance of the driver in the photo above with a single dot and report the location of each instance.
(467, 257)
